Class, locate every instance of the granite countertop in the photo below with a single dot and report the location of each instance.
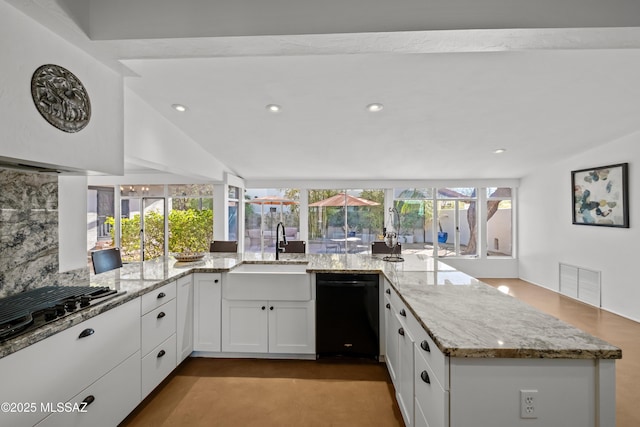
(464, 317)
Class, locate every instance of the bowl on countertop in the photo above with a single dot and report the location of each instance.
(188, 257)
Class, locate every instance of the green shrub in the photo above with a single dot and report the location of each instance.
(190, 230)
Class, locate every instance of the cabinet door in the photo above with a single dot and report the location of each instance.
(206, 311)
(292, 327)
(184, 326)
(404, 387)
(244, 326)
(391, 340)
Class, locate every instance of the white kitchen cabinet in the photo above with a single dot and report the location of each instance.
(207, 293)
(405, 374)
(431, 400)
(268, 326)
(158, 336)
(392, 324)
(245, 326)
(158, 325)
(292, 327)
(184, 318)
(58, 368)
(157, 297)
(399, 340)
(157, 364)
(108, 400)
(272, 320)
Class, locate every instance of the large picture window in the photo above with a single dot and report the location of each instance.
(264, 208)
(345, 221)
(499, 222)
(190, 217)
(457, 220)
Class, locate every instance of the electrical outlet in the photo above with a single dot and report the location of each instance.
(528, 403)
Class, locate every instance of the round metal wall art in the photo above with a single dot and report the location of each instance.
(60, 98)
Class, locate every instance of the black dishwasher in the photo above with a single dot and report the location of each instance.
(347, 315)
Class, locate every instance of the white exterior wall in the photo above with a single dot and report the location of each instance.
(547, 236)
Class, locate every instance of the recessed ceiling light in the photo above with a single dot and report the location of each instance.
(274, 108)
(179, 107)
(375, 107)
(499, 150)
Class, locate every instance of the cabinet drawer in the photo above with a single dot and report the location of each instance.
(112, 397)
(394, 299)
(431, 400)
(78, 361)
(157, 297)
(437, 361)
(158, 325)
(158, 364)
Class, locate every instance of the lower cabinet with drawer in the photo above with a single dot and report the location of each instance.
(57, 370)
(418, 369)
(431, 400)
(104, 403)
(158, 332)
(157, 364)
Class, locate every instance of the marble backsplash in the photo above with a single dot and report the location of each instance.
(29, 233)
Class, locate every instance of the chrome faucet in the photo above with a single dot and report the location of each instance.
(284, 239)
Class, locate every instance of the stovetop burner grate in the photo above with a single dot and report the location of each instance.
(38, 306)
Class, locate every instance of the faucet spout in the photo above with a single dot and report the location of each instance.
(284, 239)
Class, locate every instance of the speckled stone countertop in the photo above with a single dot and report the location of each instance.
(464, 317)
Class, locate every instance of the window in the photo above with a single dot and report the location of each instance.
(100, 207)
(234, 200)
(499, 222)
(345, 220)
(457, 221)
(190, 217)
(415, 208)
(142, 219)
(264, 208)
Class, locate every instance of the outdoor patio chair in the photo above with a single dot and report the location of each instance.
(382, 248)
(223, 246)
(294, 246)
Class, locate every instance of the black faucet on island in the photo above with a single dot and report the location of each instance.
(284, 239)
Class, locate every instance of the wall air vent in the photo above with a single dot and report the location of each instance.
(580, 283)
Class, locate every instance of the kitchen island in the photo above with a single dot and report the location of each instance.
(485, 349)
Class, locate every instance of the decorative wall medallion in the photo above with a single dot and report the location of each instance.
(60, 98)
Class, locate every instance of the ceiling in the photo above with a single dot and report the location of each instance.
(457, 80)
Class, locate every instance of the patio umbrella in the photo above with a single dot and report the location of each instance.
(272, 200)
(339, 200)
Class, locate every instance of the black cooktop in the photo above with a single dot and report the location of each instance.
(28, 310)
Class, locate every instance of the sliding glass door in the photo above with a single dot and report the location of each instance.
(142, 228)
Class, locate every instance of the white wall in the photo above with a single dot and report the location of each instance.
(547, 236)
(152, 141)
(72, 222)
(24, 46)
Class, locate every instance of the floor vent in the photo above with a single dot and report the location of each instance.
(580, 283)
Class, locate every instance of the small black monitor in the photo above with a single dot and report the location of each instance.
(105, 260)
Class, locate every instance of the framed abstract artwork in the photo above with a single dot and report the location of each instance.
(601, 196)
